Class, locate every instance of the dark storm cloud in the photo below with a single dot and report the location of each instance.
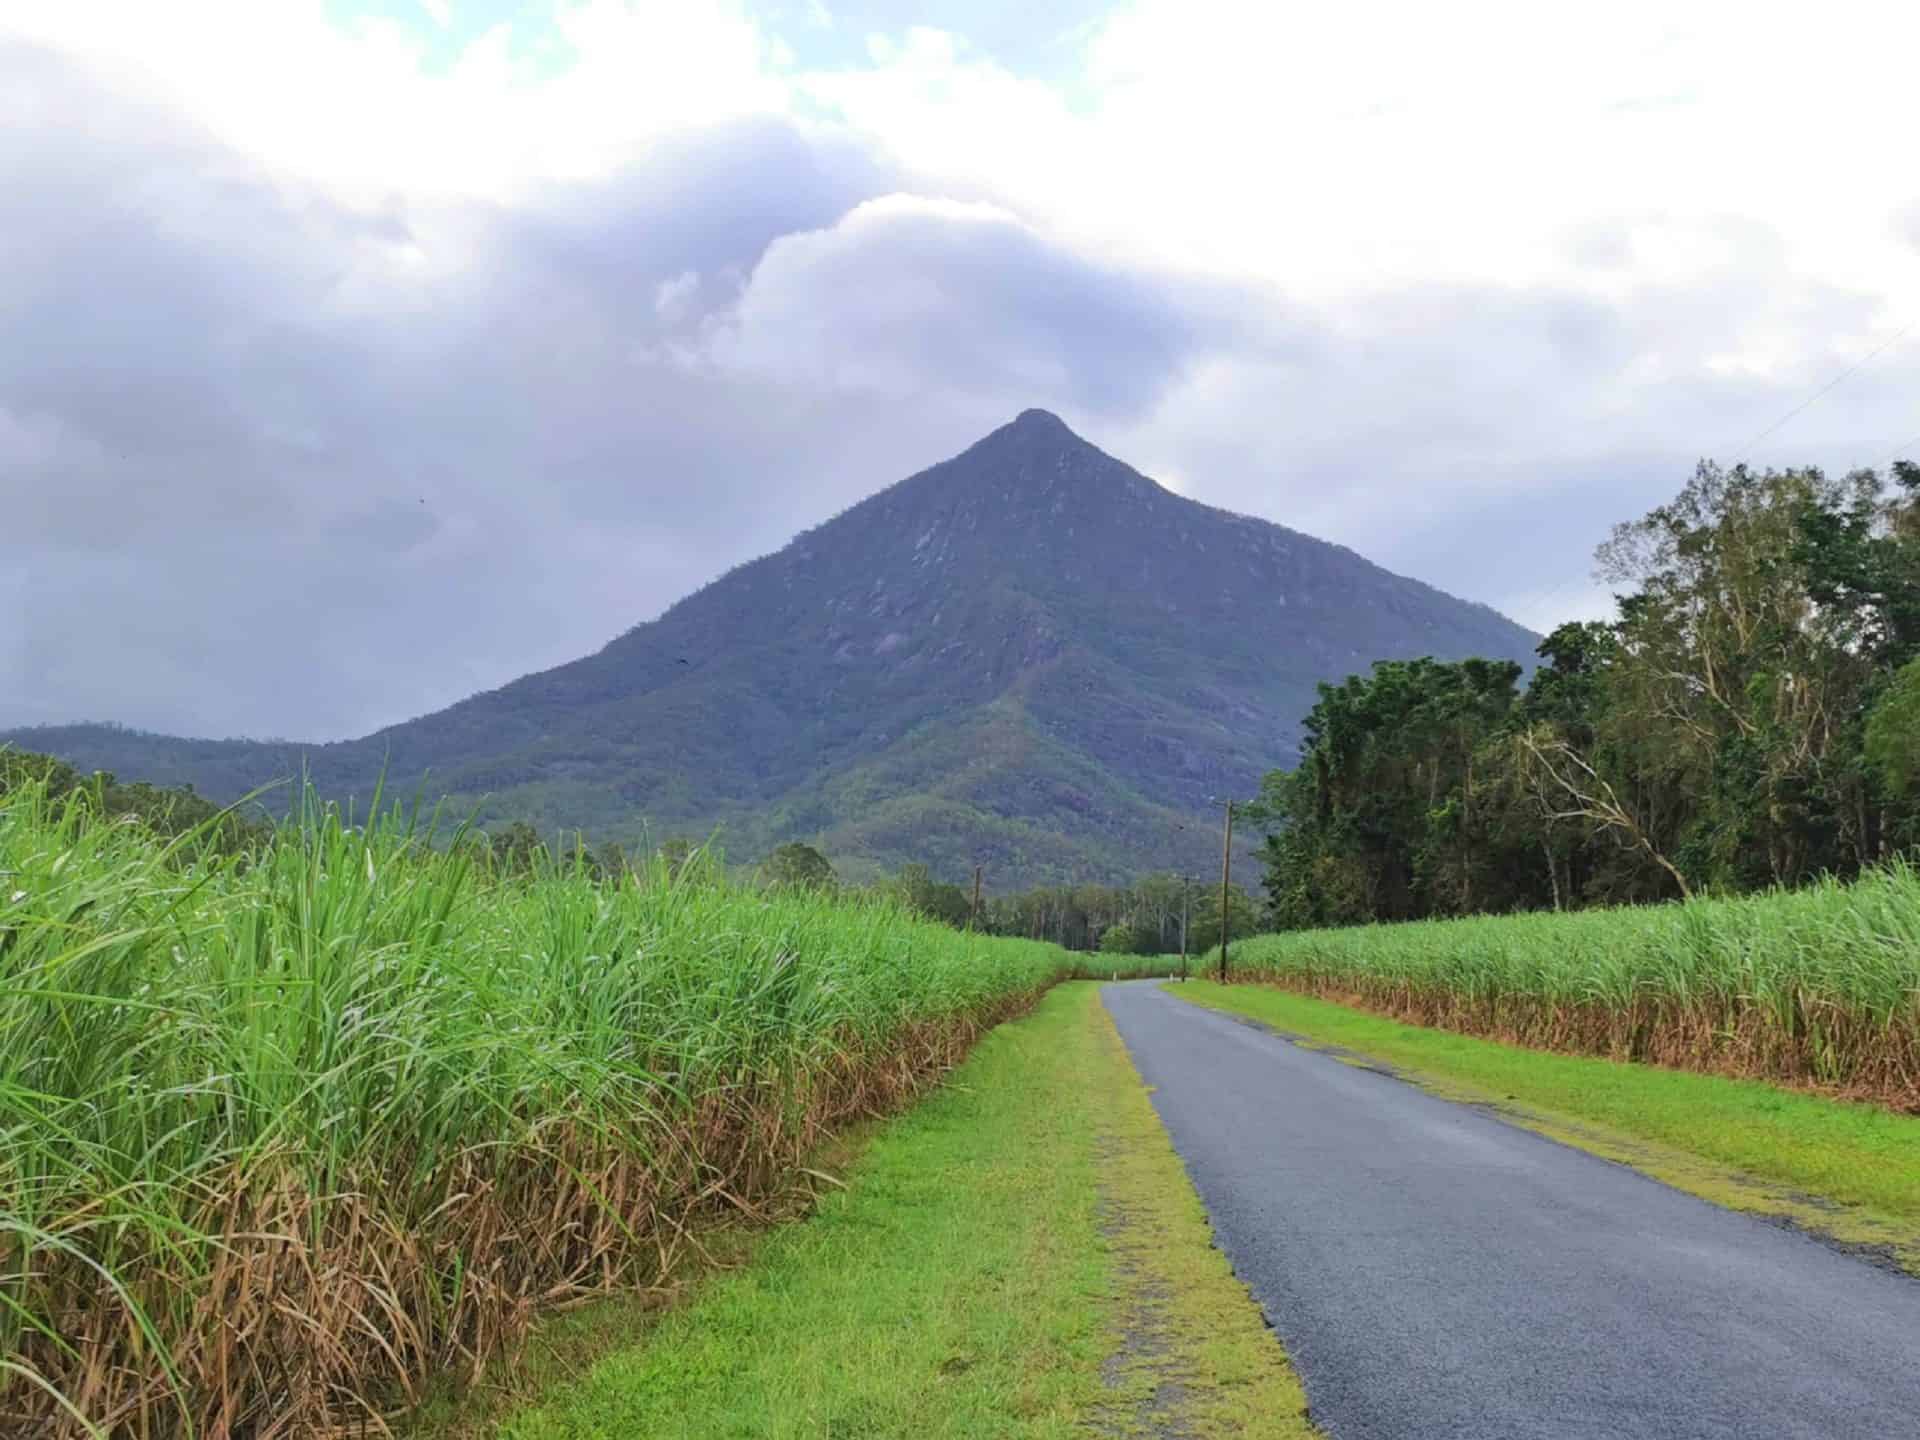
(272, 466)
(707, 205)
(275, 466)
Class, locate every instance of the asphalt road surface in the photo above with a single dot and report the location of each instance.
(1436, 1272)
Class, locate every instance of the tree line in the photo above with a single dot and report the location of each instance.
(1749, 718)
(1147, 916)
(169, 813)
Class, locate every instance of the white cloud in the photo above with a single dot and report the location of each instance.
(359, 111)
(674, 297)
(1332, 150)
(1348, 149)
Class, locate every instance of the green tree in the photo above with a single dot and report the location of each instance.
(916, 888)
(515, 848)
(1744, 721)
(1242, 919)
(1733, 680)
(1383, 818)
(1893, 733)
(795, 866)
(609, 862)
(166, 812)
(1154, 908)
(677, 852)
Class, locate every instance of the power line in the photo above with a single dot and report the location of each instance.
(1832, 384)
(1899, 451)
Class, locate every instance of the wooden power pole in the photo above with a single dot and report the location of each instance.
(973, 915)
(1186, 885)
(1226, 879)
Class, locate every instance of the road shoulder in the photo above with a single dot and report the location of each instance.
(1020, 1255)
(1194, 1357)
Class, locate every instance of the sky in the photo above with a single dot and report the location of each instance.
(358, 356)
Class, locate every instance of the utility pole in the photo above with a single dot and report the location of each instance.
(1186, 885)
(1226, 879)
(974, 914)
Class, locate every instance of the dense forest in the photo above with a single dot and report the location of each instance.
(1749, 719)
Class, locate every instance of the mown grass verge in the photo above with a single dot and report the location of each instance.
(1194, 1358)
(285, 1132)
(1846, 1170)
(1020, 1255)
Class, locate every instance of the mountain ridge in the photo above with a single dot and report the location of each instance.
(1028, 655)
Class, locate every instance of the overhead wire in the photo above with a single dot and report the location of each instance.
(1899, 452)
(1742, 452)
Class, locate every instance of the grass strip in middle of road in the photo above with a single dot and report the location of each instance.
(1020, 1255)
(1844, 1170)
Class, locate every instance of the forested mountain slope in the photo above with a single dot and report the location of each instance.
(1029, 656)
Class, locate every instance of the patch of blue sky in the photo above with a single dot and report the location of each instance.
(444, 29)
(1040, 43)
(1043, 42)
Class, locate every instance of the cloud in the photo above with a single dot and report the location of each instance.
(1485, 439)
(574, 94)
(1907, 226)
(906, 296)
(1344, 149)
(320, 412)
(274, 464)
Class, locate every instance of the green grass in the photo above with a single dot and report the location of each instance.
(285, 1133)
(1819, 985)
(1710, 1134)
(1195, 1356)
(1020, 1255)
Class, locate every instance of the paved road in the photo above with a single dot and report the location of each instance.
(1436, 1272)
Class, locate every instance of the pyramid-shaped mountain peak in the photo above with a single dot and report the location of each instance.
(1034, 460)
(1035, 434)
(1042, 422)
(1028, 657)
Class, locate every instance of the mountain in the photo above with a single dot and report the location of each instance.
(1030, 657)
